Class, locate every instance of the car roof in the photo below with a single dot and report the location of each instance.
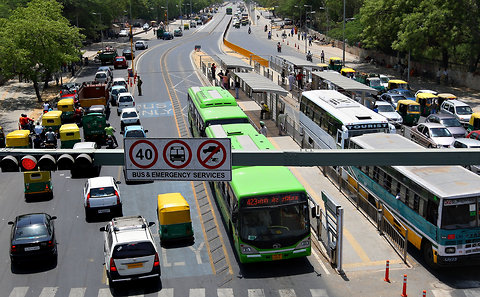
(104, 68)
(101, 181)
(142, 41)
(30, 219)
(118, 79)
(129, 109)
(469, 141)
(433, 125)
(118, 87)
(84, 144)
(101, 72)
(456, 102)
(442, 115)
(380, 102)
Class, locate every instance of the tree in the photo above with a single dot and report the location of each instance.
(35, 40)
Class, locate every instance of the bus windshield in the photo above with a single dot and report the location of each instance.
(459, 213)
(266, 226)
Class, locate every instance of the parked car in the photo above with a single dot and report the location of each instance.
(101, 77)
(177, 32)
(123, 33)
(119, 81)
(468, 143)
(33, 237)
(120, 62)
(386, 109)
(129, 116)
(128, 54)
(124, 100)
(101, 195)
(459, 109)
(129, 250)
(134, 131)
(451, 122)
(392, 98)
(141, 45)
(432, 135)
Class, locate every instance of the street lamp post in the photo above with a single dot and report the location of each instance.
(343, 33)
(101, 30)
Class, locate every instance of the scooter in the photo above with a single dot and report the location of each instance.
(309, 57)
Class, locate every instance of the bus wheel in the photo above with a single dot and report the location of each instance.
(427, 252)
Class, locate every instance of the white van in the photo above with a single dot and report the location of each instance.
(459, 109)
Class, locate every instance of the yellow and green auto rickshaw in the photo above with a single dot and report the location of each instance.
(397, 84)
(186, 26)
(69, 135)
(174, 217)
(474, 123)
(67, 107)
(18, 139)
(409, 110)
(335, 63)
(52, 119)
(427, 103)
(443, 97)
(321, 67)
(348, 72)
(37, 183)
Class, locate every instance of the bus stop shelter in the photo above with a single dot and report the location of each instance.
(233, 63)
(291, 64)
(335, 81)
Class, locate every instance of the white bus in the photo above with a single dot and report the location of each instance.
(328, 119)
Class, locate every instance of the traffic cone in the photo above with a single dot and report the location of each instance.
(387, 272)
(404, 291)
(287, 42)
(424, 293)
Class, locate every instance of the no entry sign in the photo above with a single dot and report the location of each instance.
(205, 159)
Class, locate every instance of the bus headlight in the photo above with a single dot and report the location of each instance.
(245, 249)
(304, 243)
(450, 250)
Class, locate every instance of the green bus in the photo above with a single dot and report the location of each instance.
(229, 10)
(265, 208)
(212, 106)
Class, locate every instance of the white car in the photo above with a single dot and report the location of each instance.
(386, 110)
(124, 100)
(119, 81)
(123, 33)
(146, 26)
(129, 250)
(101, 77)
(141, 45)
(114, 93)
(102, 196)
(129, 116)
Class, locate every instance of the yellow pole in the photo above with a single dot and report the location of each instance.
(131, 48)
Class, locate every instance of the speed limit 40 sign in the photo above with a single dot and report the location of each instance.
(178, 159)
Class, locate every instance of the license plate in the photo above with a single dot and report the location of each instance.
(277, 257)
(134, 265)
(32, 248)
(103, 210)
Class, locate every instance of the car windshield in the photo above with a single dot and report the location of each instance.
(384, 79)
(101, 75)
(135, 133)
(133, 250)
(125, 99)
(464, 110)
(440, 132)
(120, 90)
(385, 108)
(119, 60)
(397, 98)
(414, 108)
(102, 192)
(129, 114)
(407, 93)
(451, 122)
(31, 231)
(374, 82)
(459, 213)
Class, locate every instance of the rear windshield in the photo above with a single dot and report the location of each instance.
(129, 114)
(102, 192)
(135, 133)
(32, 231)
(119, 59)
(133, 250)
(117, 91)
(101, 75)
(125, 99)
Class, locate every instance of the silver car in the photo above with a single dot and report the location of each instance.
(450, 121)
(468, 143)
(386, 109)
(432, 135)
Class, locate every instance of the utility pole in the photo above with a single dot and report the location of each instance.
(343, 33)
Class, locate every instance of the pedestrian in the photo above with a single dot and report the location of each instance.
(309, 40)
(213, 68)
(283, 75)
(227, 79)
(279, 47)
(51, 137)
(139, 85)
(263, 129)
(220, 75)
(110, 131)
(445, 76)
(291, 80)
(237, 86)
(2, 137)
(292, 31)
(300, 80)
(46, 106)
(264, 110)
(39, 130)
(375, 108)
(322, 57)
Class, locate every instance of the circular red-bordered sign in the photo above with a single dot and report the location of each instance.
(168, 160)
(154, 157)
(210, 155)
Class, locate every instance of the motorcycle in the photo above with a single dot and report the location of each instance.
(269, 35)
(249, 30)
(110, 143)
(266, 28)
(309, 57)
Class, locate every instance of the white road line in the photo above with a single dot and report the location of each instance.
(200, 292)
(318, 292)
(48, 292)
(225, 292)
(166, 293)
(320, 261)
(77, 292)
(441, 293)
(19, 292)
(104, 292)
(256, 293)
(287, 293)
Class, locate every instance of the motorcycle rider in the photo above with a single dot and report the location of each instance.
(309, 56)
(25, 122)
(249, 30)
(266, 28)
(51, 137)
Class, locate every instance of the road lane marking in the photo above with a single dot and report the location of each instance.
(200, 292)
(320, 261)
(445, 293)
(197, 252)
(104, 292)
(371, 263)
(356, 246)
(256, 293)
(77, 292)
(166, 293)
(225, 292)
(287, 293)
(19, 292)
(318, 292)
(48, 292)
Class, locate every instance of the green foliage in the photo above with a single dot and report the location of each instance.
(353, 31)
(36, 39)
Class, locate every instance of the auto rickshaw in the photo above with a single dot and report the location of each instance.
(397, 84)
(52, 119)
(444, 96)
(348, 72)
(427, 103)
(37, 183)
(186, 26)
(321, 67)
(69, 135)
(474, 123)
(174, 222)
(335, 63)
(19, 139)
(409, 110)
(67, 107)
